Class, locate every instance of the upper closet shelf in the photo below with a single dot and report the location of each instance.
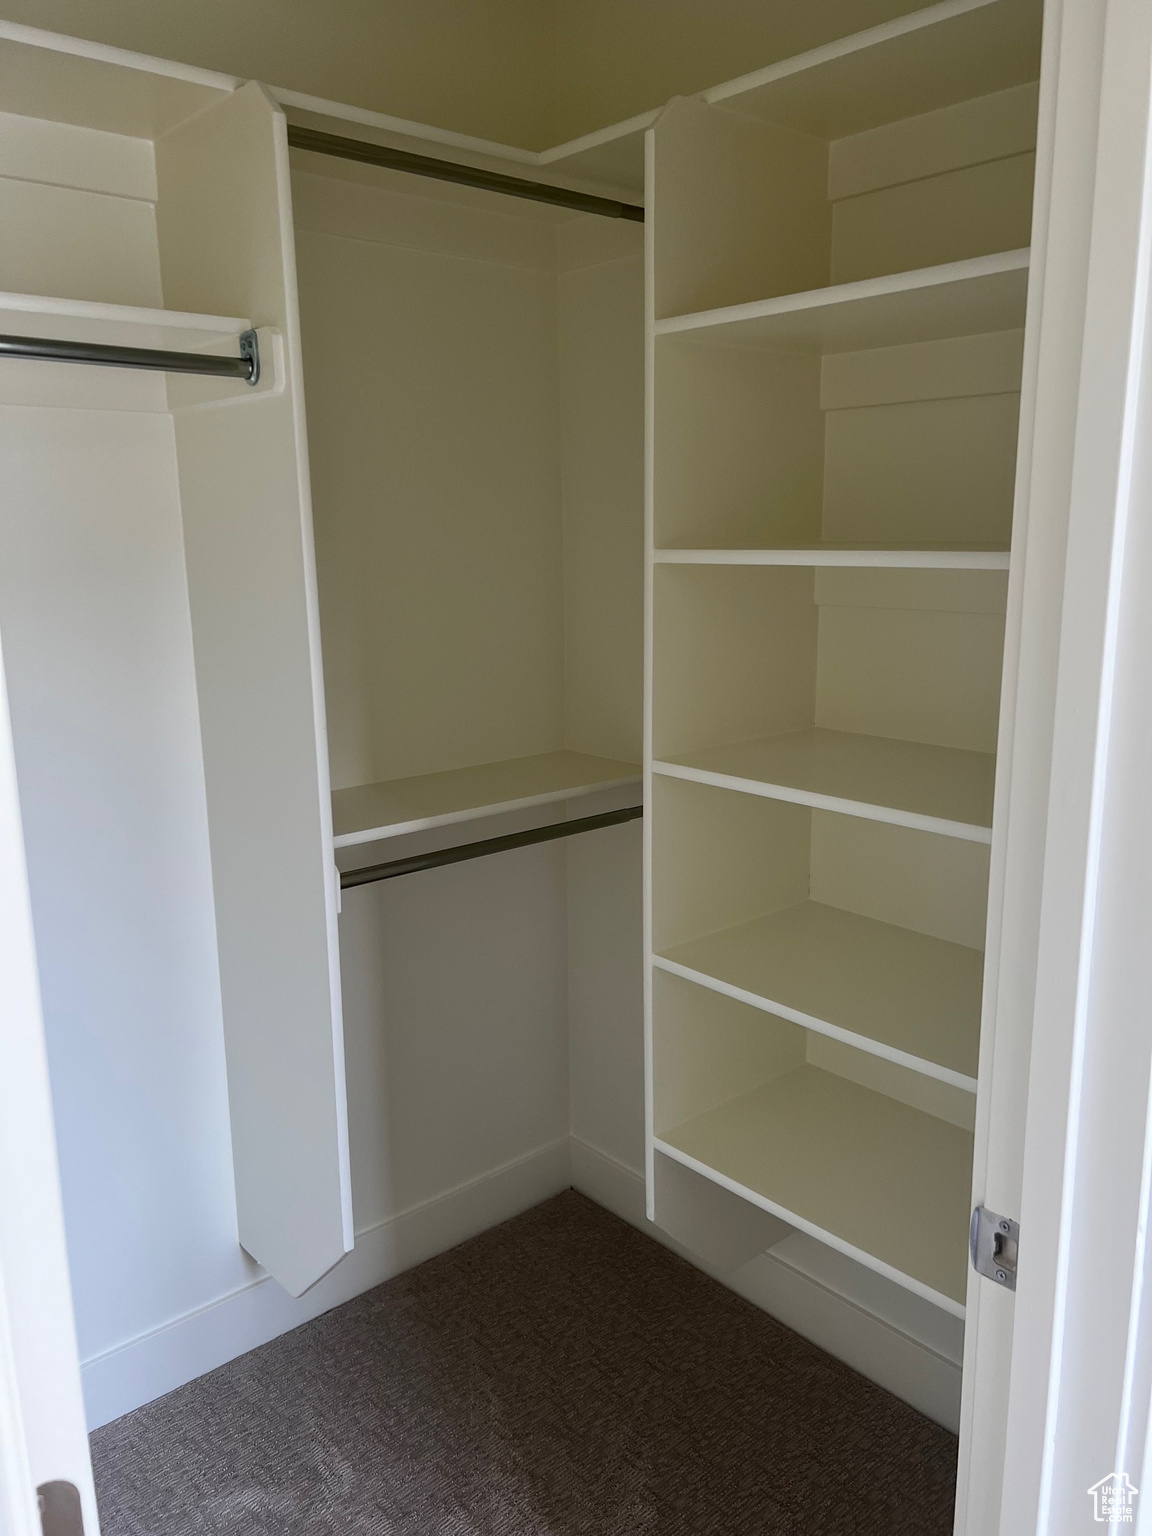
(906, 783)
(898, 994)
(929, 59)
(961, 298)
(886, 1184)
(874, 556)
(372, 811)
(170, 330)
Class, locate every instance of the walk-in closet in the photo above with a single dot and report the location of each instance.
(516, 656)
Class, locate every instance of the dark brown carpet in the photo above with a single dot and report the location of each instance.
(561, 1375)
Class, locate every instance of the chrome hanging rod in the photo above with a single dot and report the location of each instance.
(462, 851)
(46, 350)
(465, 175)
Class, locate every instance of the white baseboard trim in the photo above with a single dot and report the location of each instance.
(164, 1358)
(831, 1319)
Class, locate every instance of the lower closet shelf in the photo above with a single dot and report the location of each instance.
(886, 1184)
(395, 806)
(939, 789)
(891, 991)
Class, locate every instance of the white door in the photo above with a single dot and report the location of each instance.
(43, 1441)
(1058, 1376)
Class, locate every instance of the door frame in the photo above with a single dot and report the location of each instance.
(1053, 1375)
(43, 1435)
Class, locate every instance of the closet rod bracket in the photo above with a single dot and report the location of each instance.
(250, 349)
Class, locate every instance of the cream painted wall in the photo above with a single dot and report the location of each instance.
(475, 68)
(527, 72)
(615, 58)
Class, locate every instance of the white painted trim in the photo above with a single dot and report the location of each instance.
(83, 48)
(809, 1021)
(164, 1358)
(969, 270)
(802, 1224)
(386, 123)
(1087, 1104)
(41, 1413)
(853, 559)
(930, 16)
(599, 137)
(829, 1317)
(965, 831)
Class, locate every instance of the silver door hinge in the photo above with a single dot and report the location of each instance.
(995, 1244)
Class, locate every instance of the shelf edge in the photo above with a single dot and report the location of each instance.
(861, 559)
(968, 832)
(802, 1224)
(918, 1064)
(890, 285)
(475, 813)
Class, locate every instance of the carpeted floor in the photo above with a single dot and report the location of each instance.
(560, 1375)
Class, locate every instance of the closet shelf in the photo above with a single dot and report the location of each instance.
(907, 783)
(929, 59)
(960, 298)
(883, 1183)
(890, 991)
(32, 314)
(369, 812)
(942, 557)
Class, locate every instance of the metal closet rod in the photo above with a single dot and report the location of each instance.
(47, 350)
(461, 851)
(466, 175)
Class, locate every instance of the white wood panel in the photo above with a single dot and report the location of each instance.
(901, 875)
(434, 437)
(928, 370)
(710, 1047)
(921, 471)
(36, 149)
(388, 809)
(73, 80)
(225, 240)
(83, 244)
(601, 323)
(964, 213)
(886, 1184)
(715, 243)
(965, 133)
(905, 996)
(961, 298)
(938, 789)
(911, 674)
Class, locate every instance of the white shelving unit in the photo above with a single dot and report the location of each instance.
(369, 812)
(938, 789)
(146, 206)
(838, 252)
(959, 298)
(902, 995)
(836, 555)
(882, 1182)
